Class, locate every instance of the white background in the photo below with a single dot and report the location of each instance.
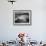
(37, 30)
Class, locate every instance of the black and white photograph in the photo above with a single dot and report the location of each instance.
(22, 17)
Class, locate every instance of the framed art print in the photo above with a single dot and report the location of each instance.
(22, 17)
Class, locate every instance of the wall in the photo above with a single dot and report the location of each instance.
(37, 30)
